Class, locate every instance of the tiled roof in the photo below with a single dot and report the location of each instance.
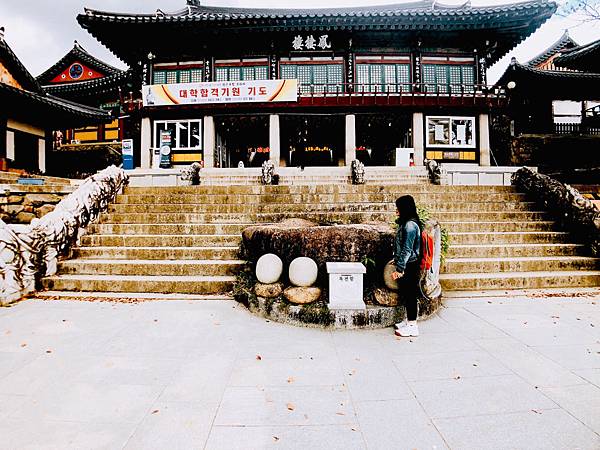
(90, 87)
(583, 57)
(16, 67)
(51, 104)
(565, 42)
(195, 11)
(77, 53)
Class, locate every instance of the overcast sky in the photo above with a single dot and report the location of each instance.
(41, 32)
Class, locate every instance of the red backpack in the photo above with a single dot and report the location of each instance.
(426, 251)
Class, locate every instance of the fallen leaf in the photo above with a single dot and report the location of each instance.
(48, 351)
(291, 380)
(353, 429)
(290, 407)
(275, 438)
(258, 358)
(536, 411)
(156, 320)
(474, 365)
(155, 411)
(7, 332)
(23, 345)
(340, 414)
(457, 377)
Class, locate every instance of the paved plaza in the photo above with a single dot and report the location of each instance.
(521, 373)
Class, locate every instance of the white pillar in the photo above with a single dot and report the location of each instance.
(484, 140)
(418, 138)
(146, 143)
(350, 138)
(209, 142)
(10, 145)
(42, 155)
(274, 139)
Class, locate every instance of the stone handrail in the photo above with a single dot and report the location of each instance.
(575, 212)
(28, 253)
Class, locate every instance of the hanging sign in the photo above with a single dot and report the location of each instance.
(221, 92)
(310, 42)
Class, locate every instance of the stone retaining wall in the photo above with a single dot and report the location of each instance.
(22, 204)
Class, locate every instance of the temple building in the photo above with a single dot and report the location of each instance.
(81, 77)
(557, 92)
(29, 115)
(388, 85)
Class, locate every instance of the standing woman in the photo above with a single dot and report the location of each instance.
(407, 251)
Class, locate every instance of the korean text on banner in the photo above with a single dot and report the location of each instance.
(221, 92)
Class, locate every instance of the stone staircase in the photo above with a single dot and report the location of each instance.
(184, 240)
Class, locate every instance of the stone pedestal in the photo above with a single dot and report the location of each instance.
(484, 140)
(146, 143)
(346, 285)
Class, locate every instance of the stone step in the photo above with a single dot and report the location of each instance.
(314, 189)
(514, 250)
(492, 227)
(126, 297)
(314, 207)
(83, 266)
(520, 280)
(141, 283)
(196, 199)
(320, 217)
(509, 237)
(165, 240)
(522, 264)
(157, 253)
(165, 228)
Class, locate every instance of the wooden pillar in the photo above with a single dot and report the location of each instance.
(350, 139)
(209, 142)
(418, 138)
(42, 155)
(10, 145)
(274, 140)
(146, 143)
(484, 140)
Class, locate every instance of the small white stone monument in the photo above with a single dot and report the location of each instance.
(346, 285)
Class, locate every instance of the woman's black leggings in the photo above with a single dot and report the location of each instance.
(409, 289)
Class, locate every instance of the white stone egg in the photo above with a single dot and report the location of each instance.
(303, 272)
(269, 268)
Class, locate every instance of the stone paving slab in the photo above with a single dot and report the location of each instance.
(486, 373)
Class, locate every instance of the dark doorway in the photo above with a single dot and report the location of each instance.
(379, 135)
(26, 151)
(242, 139)
(313, 140)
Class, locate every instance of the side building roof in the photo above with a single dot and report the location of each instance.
(565, 42)
(77, 53)
(556, 84)
(585, 58)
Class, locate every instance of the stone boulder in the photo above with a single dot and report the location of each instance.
(302, 295)
(273, 290)
(295, 238)
(386, 297)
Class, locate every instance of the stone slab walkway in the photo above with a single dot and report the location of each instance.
(485, 374)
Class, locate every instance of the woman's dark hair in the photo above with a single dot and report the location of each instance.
(408, 209)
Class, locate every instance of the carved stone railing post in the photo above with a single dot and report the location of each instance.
(574, 212)
(358, 172)
(190, 176)
(32, 252)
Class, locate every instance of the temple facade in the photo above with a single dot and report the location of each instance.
(388, 85)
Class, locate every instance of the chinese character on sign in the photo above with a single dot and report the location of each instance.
(323, 42)
(310, 42)
(298, 43)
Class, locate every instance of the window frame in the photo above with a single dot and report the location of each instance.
(156, 138)
(451, 120)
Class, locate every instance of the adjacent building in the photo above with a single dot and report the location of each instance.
(29, 115)
(234, 87)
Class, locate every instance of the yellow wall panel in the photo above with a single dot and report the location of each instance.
(186, 157)
(111, 135)
(86, 136)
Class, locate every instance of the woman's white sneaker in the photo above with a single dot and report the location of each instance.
(410, 330)
(401, 324)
